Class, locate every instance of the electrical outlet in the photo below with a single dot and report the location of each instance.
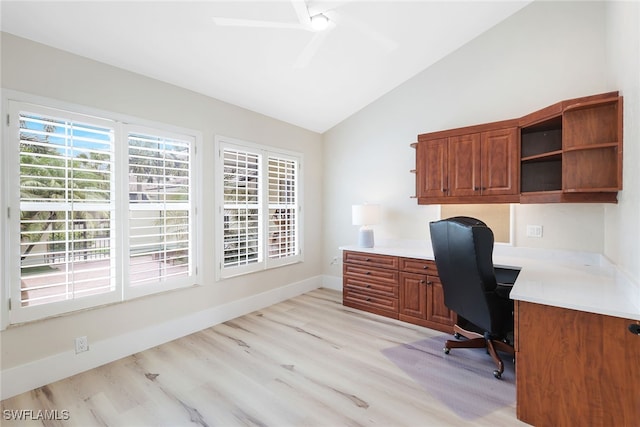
(534, 231)
(82, 344)
(334, 261)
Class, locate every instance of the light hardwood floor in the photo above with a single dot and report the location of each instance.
(307, 361)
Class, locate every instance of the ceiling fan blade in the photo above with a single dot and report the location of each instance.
(233, 22)
(384, 41)
(312, 47)
(302, 12)
(316, 7)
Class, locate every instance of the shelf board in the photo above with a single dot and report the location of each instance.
(551, 155)
(588, 104)
(591, 146)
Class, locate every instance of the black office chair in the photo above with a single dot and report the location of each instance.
(463, 249)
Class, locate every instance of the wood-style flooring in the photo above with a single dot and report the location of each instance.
(308, 361)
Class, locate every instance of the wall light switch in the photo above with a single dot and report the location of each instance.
(534, 231)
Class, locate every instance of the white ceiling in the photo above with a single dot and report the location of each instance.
(373, 47)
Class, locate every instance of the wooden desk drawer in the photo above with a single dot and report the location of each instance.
(378, 275)
(361, 258)
(374, 303)
(421, 266)
(371, 287)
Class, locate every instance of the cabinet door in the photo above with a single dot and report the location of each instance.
(413, 295)
(437, 312)
(500, 162)
(464, 165)
(431, 168)
(576, 368)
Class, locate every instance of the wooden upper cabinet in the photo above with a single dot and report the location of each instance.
(570, 151)
(467, 165)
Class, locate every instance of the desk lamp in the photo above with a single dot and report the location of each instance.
(365, 216)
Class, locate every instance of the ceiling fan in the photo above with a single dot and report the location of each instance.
(313, 18)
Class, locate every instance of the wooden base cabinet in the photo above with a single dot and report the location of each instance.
(407, 289)
(421, 296)
(370, 283)
(575, 368)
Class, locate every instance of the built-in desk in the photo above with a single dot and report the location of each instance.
(577, 363)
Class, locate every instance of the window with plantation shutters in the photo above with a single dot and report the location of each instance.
(100, 211)
(259, 207)
(159, 208)
(66, 209)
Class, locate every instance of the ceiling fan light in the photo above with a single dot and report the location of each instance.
(319, 22)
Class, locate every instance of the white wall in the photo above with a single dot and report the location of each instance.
(622, 221)
(547, 52)
(43, 71)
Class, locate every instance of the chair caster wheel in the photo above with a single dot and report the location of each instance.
(446, 350)
(457, 335)
(497, 374)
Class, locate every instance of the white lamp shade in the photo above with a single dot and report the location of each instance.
(367, 214)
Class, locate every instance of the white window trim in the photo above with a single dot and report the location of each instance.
(10, 205)
(222, 142)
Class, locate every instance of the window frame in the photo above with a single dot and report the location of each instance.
(264, 261)
(13, 102)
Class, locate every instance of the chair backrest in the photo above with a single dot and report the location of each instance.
(463, 250)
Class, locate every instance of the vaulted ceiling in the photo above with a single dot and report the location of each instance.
(263, 55)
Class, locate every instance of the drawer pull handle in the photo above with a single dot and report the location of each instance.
(368, 299)
(634, 328)
(368, 259)
(429, 283)
(426, 267)
(368, 286)
(368, 272)
(422, 282)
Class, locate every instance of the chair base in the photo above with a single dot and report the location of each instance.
(476, 340)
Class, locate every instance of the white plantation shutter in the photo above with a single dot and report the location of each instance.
(242, 217)
(66, 209)
(283, 208)
(259, 213)
(159, 208)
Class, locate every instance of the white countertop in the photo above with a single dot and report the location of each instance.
(575, 280)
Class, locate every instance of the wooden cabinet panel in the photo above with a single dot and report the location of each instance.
(432, 168)
(413, 295)
(437, 311)
(576, 368)
(464, 165)
(500, 162)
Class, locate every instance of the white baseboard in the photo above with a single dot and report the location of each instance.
(41, 372)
